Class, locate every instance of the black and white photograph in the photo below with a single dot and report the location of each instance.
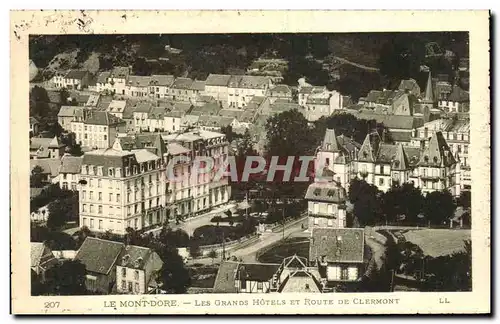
(202, 164)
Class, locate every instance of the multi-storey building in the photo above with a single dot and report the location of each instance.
(121, 189)
(431, 168)
(322, 104)
(242, 88)
(159, 86)
(97, 130)
(216, 85)
(136, 270)
(73, 79)
(306, 91)
(141, 115)
(326, 205)
(457, 135)
(138, 86)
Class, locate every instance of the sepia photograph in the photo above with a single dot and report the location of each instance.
(264, 165)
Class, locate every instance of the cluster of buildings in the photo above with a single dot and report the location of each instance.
(111, 267)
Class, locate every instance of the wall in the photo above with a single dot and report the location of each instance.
(134, 276)
(333, 272)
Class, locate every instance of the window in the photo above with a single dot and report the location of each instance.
(99, 184)
(124, 285)
(136, 222)
(100, 224)
(381, 169)
(91, 283)
(136, 275)
(117, 197)
(344, 273)
(381, 181)
(327, 160)
(91, 209)
(99, 196)
(91, 195)
(136, 287)
(466, 149)
(330, 222)
(91, 223)
(130, 286)
(243, 284)
(260, 285)
(99, 209)
(84, 221)
(316, 221)
(110, 197)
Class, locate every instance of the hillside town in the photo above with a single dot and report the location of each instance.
(387, 207)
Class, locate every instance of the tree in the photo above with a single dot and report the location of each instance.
(438, 207)
(67, 278)
(405, 200)
(194, 249)
(366, 199)
(59, 213)
(212, 255)
(37, 177)
(173, 276)
(464, 199)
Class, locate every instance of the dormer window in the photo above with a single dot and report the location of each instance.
(317, 192)
(110, 172)
(118, 173)
(435, 159)
(99, 170)
(85, 169)
(426, 158)
(127, 171)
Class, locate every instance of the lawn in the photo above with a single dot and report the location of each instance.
(438, 242)
(203, 277)
(283, 249)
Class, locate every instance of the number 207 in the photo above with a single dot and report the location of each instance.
(51, 304)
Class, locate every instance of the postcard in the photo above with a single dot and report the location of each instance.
(250, 162)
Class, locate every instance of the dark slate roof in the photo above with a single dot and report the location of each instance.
(71, 164)
(280, 89)
(110, 158)
(234, 81)
(69, 111)
(409, 84)
(210, 108)
(330, 143)
(369, 149)
(437, 153)
(76, 74)
(254, 82)
(343, 245)
(311, 89)
(98, 255)
(400, 136)
(327, 192)
(49, 166)
(134, 256)
(390, 121)
(215, 121)
(182, 83)
(225, 279)
(256, 271)
(220, 80)
(234, 113)
(162, 80)
(102, 118)
(458, 95)
(143, 141)
(120, 72)
(400, 161)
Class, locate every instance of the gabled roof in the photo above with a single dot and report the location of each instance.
(49, 166)
(120, 72)
(162, 80)
(280, 89)
(55, 143)
(337, 245)
(210, 108)
(102, 118)
(234, 81)
(198, 85)
(37, 142)
(458, 95)
(400, 162)
(99, 255)
(69, 111)
(41, 256)
(103, 77)
(117, 106)
(220, 80)
(330, 143)
(215, 121)
(327, 192)
(254, 82)
(437, 153)
(133, 256)
(428, 94)
(234, 113)
(369, 149)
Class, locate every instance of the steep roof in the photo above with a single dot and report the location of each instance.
(103, 77)
(234, 81)
(370, 147)
(429, 95)
(182, 83)
(210, 108)
(400, 162)
(133, 256)
(76, 74)
(198, 85)
(254, 82)
(280, 89)
(215, 121)
(458, 95)
(341, 245)
(55, 143)
(327, 192)
(49, 166)
(410, 85)
(41, 256)
(437, 153)
(99, 255)
(330, 143)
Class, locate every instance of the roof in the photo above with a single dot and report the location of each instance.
(143, 155)
(76, 74)
(182, 106)
(102, 118)
(175, 114)
(182, 83)
(176, 149)
(343, 245)
(215, 121)
(55, 143)
(143, 141)
(99, 255)
(41, 256)
(233, 113)
(69, 111)
(385, 97)
(103, 77)
(189, 119)
(93, 100)
(327, 192)
(410, 85)
(437, 153)
(143, 107)
(448, 125)
(280, 89)
(390, 121)
(259, 272)
(110, 158)
(400, 136)
(71, 164)
(312, 89)
(198, 85)
(458, 95)
(49, 166)
(330, 143)
(234, 81)
(210, 108)
(370, 148)
(138, 81)
(33, 120)
(254, 82)
(133, 256)
(37, 142)
(117, 106)
(220, 80)
(224, 281)
(428, 94)
(162, 80)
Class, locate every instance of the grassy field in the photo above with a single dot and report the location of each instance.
(283, 249)
(203, 277)
(438, 242)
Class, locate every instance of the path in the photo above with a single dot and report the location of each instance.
(361, 66)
